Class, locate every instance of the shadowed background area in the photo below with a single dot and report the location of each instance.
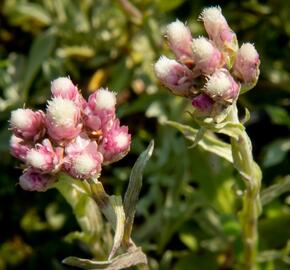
(186, 217)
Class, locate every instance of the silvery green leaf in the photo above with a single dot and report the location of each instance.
(116, 202)
(209, 142)
(274, 191)
(128, 259)
(133, 190)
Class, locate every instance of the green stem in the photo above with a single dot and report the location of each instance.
(251, 174)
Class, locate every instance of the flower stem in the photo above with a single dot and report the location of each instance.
(251, 174)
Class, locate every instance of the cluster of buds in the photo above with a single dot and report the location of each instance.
(74, 136)
(211, 71)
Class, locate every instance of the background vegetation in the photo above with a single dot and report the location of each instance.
(186, 216)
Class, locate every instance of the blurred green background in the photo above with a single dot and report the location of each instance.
(186, 216)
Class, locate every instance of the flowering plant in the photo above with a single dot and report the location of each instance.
(212, 72)
(66, 148)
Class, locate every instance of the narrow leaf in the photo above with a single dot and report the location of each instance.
(125, 260)
(133, 190)
(116, 202)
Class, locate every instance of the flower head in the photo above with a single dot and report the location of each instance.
(175, 76)
(99, 113)
(32, 180)
(221, 86)
(219, 32)
(207, 57)
(179, 38)
(116, 143)
(64, 87)
(27, 124)
(44, 157)
(246, 66)
(203, 105)
(83, 160)
(63, 119)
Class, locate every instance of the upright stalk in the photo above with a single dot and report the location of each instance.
(251, 174)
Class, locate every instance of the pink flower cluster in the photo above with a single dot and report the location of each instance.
(73, 136)
(210, 71)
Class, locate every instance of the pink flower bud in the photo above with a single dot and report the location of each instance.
(19, 148)
(221, 86)
(100, 110)
(32, 180)
(83, 160)
(175, 76)
(63, 119)
(27, 124)
(102, 99)
(207, 57)
(116, 143)
(63, 87)
(179, 38)
(219, 31)
(203, 105)
(44, 157)
(246, 66)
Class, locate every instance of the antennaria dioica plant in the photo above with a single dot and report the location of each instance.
(212, 72)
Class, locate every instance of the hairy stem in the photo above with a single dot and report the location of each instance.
(251, 174)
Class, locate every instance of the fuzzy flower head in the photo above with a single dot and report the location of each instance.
(27, 124)
(219, 32)
(64, 87)
(175, 76)
(116, 143)
(221, 86)
(63, 119)
(246, 66)
(102, 99)
(207, 57)
(99, 113)
(44, 157)
(32, 180)
(83, 160)
(71, 137)
(179, 39)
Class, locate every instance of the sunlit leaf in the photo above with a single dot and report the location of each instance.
(125, 260)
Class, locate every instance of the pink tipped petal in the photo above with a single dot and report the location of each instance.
(64, 87)
(219, 32)
(116, 143)
(175, 76)
(179, 39)
(207, 57)
(221, 86)
(27, 124)
(100, 110)
(203, 105)
(63, 119)
(19, 148)
(246, 66)
(98, 120)
(83, 160)
(32, 180)
(44, 157)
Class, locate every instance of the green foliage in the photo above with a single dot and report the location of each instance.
(185, 216)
